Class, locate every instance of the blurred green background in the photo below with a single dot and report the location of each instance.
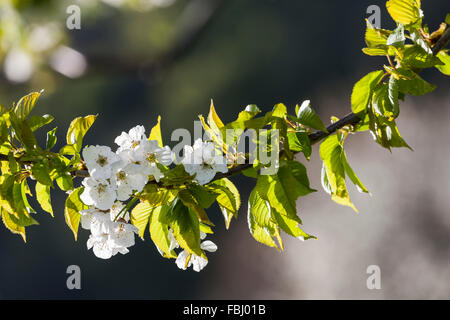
(168, 61)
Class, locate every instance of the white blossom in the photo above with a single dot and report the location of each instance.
(204, 161)
(127, 180)
(99, 193)
(122, 235)
(98, 160)
(140, 164)
(101, 246)
(197, 262)
(108, 237)
(87, 216)
(131, 140)
(116, 208)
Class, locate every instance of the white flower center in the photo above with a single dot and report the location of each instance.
(121, 176)
(102, 161)
(151, 157)
(101, 188)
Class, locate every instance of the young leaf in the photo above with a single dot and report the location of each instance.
(64, 181)
(228, 199)
(155, 133)
(72, 210)
(445, 58)
(213, 119)
(299, 142)
(417, 57)
(35, 122)
(376, 38)
(26, 104)
(186, 229)
(397, 37)
(282, 189)
(12, 224)
(140, 216)
(192, 203)
(416, 86)
(362, 91)
(259, 220)
(291, 227)
(40, 171)
(43, 197)
(404, 11)
(333, 175)
(159, 231)
(51, 139)
(307, 117)
(157, 197)
(77, 129)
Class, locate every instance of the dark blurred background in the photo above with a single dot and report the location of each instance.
(170, 61)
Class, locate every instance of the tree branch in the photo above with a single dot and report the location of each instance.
(349, 119)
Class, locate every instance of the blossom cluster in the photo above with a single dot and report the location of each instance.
(114, 177)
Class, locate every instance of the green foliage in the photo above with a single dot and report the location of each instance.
(404, 11)
(335, 168)
(72, 210)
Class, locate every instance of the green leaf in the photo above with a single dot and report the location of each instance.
(299, 172)
(12, 224)
(64, 181)
(385, 99)
(299, 142)
(68, 149)
(416, 86)
(191, 202)
(418, 40)
(282, 189)
(416, 57)
(41, 173)
(447, 19)
(307, 117)
(155, 133)
(26, 104)
(290, 226)
(159, 231)
(362, 91)
(204, 195)
(279, 111)
(379, 51)
(386, 133)
(376, 38)
(51, 139)
(333, 174)
(35, 122)
(214, 121)
(259, 219)
(186, 228)
(445, 58)
(157, 197)
(77, 129)
(6, 193)
(43, 197)
(140, 216)
(404, 11)
(397, 37)
(72, 210)
(228, 198)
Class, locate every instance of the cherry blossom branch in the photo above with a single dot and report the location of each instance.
(349, 119)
